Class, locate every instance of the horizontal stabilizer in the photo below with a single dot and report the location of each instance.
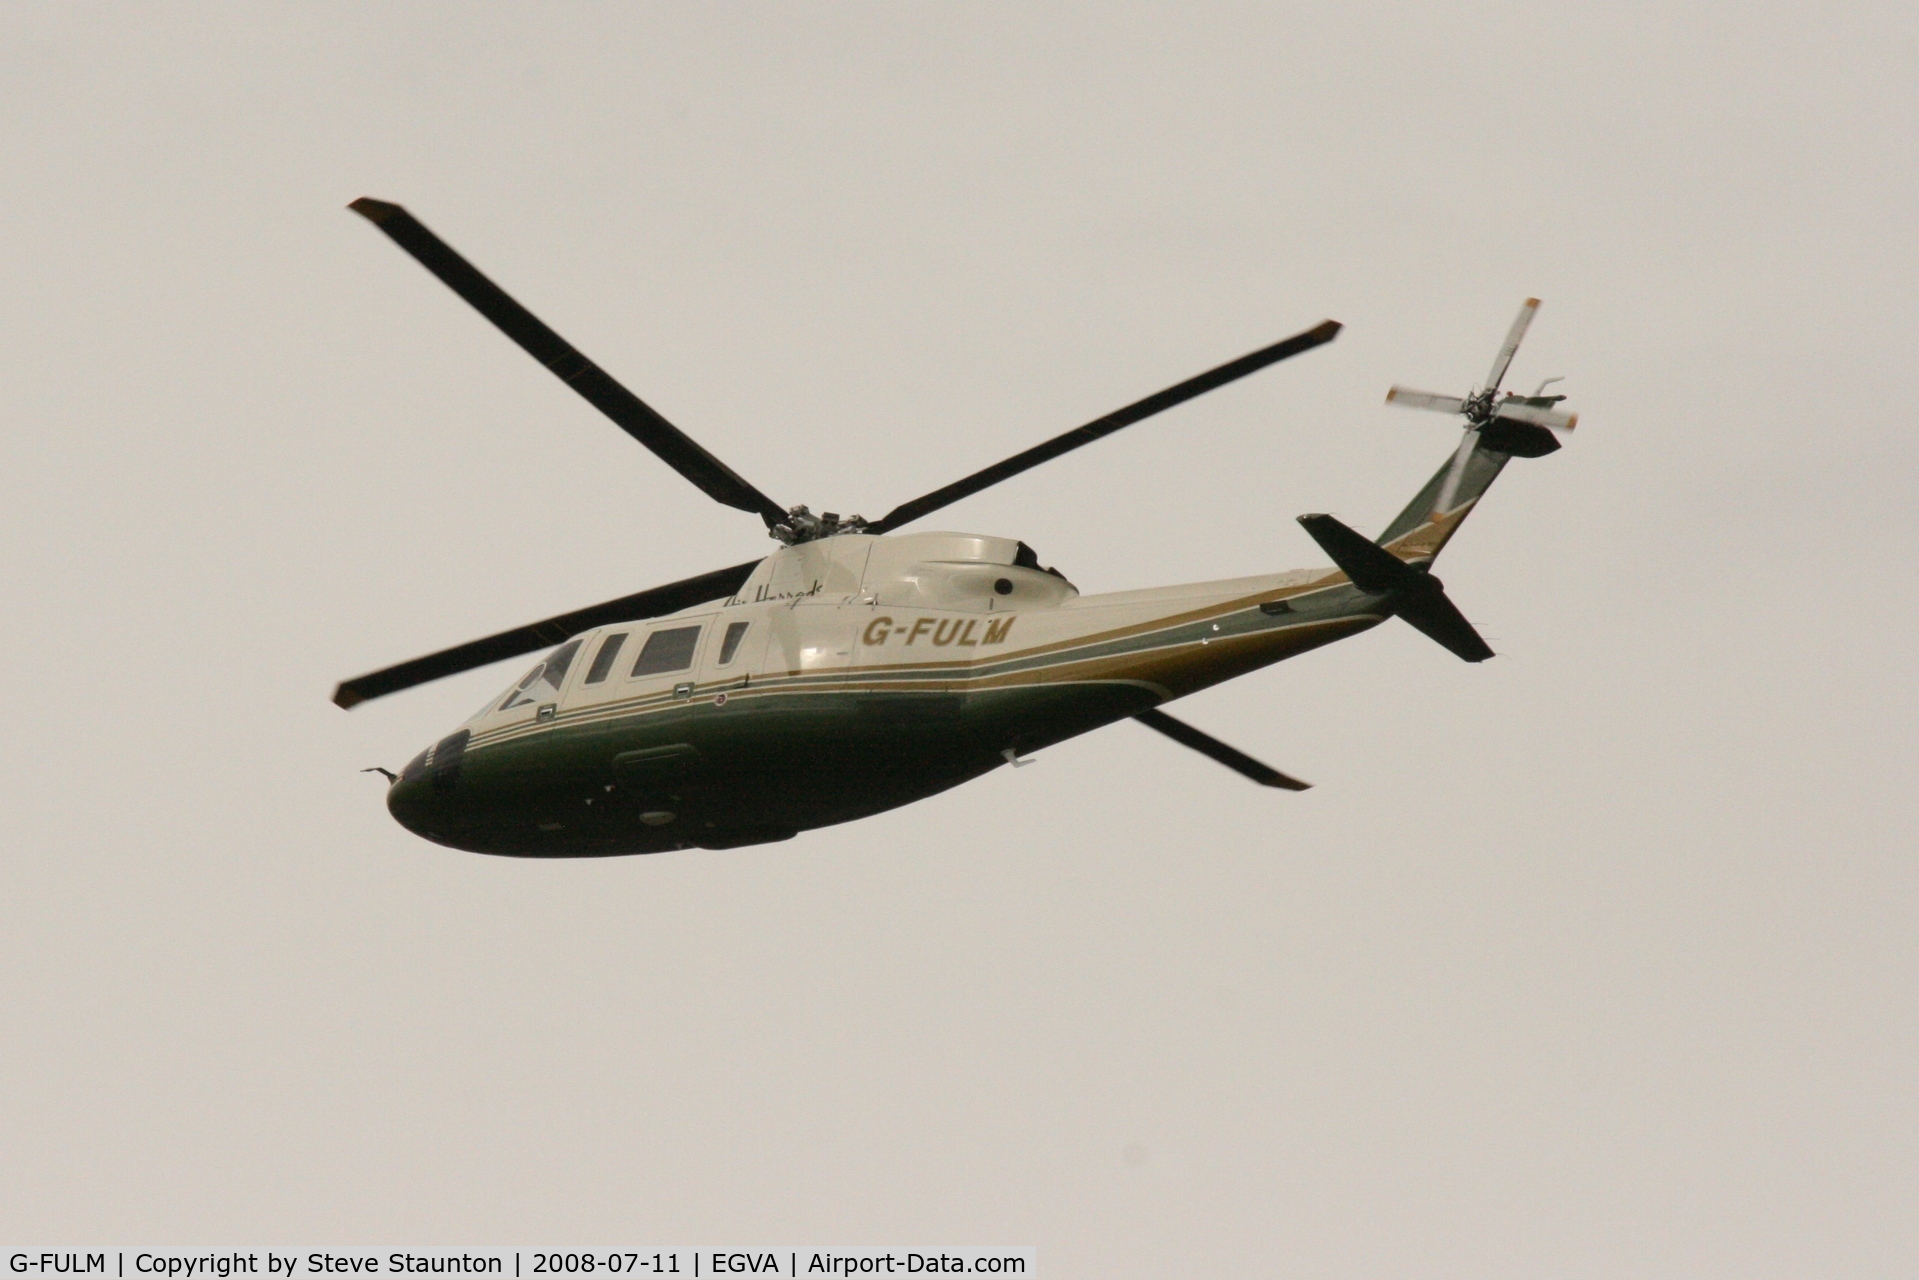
(1369, 565)
(1415, 594)
(1439, 619)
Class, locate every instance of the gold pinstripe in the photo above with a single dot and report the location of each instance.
(1179, 666)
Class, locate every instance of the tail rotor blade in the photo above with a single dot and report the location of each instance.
(1407, 398)
(1513, 337)
(1538, 417)
(1449, 490)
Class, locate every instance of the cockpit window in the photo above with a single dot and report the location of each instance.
(670, 650)
(730, 645)
(603, 659)
(549, 675)
(513, 696)
(561, 659)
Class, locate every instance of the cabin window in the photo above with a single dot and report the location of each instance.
(549, 674)
(735, 632)
(670, 650)
(603, 660)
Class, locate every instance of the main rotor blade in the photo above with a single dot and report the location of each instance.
(670, 598)
(1513, 335)
(1407, 398)
(1100, 428)
(633, 415)
(1207, 745)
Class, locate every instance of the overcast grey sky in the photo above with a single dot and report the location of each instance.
(1596, 960)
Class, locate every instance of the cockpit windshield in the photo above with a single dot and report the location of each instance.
(543, 681)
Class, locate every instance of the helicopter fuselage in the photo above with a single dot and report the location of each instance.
(847, 676)
(855, 670)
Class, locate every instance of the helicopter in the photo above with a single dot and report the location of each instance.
(856, 668)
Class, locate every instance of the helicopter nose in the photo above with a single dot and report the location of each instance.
(430, 808)
(411, 802)
(423, 799)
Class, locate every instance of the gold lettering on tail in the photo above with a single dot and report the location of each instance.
(996, 631)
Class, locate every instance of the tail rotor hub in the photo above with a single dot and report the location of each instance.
(1481, 408)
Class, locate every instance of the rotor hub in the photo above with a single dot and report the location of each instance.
(1481, 408)
(801, 525)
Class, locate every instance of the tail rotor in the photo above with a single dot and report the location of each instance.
(1525, 426)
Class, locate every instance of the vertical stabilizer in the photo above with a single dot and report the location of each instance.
(1500, 426)
(1422, 529)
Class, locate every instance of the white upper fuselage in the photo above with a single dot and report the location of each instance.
(902, 611)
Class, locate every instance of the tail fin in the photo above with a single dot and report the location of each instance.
(1399, 564)
(1500, 426)
(1422, 530)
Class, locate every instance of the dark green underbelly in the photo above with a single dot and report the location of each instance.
(759, 769)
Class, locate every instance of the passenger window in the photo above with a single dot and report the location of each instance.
(550, 673)
(667, 651)
(603, 660)
(731, 644)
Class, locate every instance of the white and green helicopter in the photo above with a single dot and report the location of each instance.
(857, 669)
